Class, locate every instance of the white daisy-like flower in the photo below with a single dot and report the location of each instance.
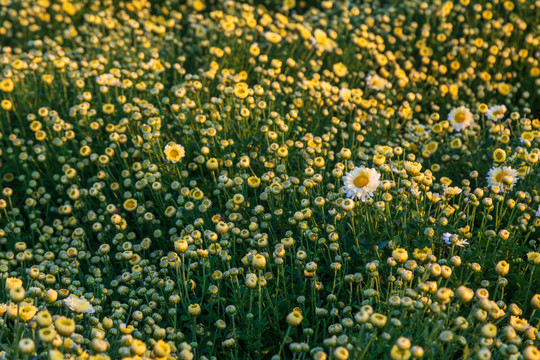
(538, 212)
(433, 197)
(460, 118)
(496, 112)
(415, 192)
(461, 242)
(361, 183)
(376, 82)
(345, 94)
(79, 305)
(453, 239)
(496, 175)
(446, 237)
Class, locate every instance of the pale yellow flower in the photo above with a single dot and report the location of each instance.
(79, 305)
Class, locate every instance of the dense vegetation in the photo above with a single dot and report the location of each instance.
(190, 180)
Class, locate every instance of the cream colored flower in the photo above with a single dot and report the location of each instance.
(453, 239)
(79, 305)
(496, 175)
(378, 83)
(460, 118)
(496, 112)
(323, 41)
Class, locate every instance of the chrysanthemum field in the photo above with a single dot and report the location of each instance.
(183, 179)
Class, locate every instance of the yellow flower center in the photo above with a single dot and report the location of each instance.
(360, 181)
(174, 153)
(460, 118)
(501, 176)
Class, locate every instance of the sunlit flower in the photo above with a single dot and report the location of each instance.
(496, 176)
(340, 69)
(26, 311)
(460, 118)
(496, 112)
(12, 283)
(79, 305)
(272, 37)
(174, 152)
(376, 82)
(65, 326)
(452, 239)
(115, 244)
(241, 90)
(499, 155)
(361, 183)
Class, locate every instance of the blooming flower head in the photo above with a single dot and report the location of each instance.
(376, 82)
(174, 152)
(412, 167)
(453, 239)
(499, 155)
(79, 305)
(108, 109)
(130, 204)
(361, 183)
(340, 69)
(25, 311)
(452, 191)
(533, 257)
(496, 175)
(399, 354)
(241, 90)
(460, 118)
(12, 283)
(323, 41)
(496, 112)
(421, 254)
(272, 37)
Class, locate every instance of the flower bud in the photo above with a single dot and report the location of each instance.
(259, 262)
(502, 268)
(464, 294)
(17, 294)
(294, 318)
